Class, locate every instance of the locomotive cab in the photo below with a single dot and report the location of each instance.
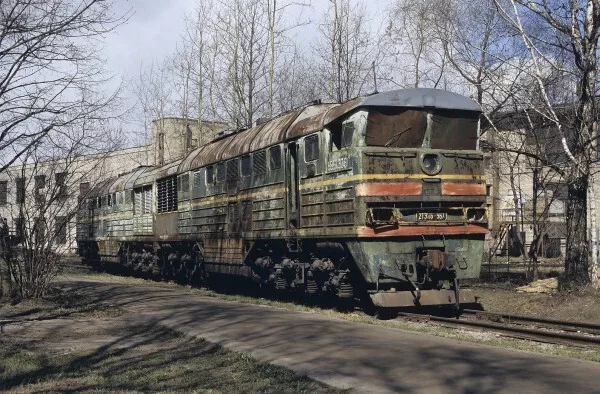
(420, 195)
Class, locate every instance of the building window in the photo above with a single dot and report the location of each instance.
(20, 227)
(60, 230)
(167, 194)
(39, 230)
(40, 182)
(161, 141)
(3, 192)
(311, 148)
(61, 184)
(84, 189)
(274, 158)
(20, 183)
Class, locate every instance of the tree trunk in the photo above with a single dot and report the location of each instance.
(576, 258)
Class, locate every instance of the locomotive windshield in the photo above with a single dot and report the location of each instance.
(416, 128)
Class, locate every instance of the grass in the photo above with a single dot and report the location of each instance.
(474, 336)
(163, 361)
(63, 343)
(57, 304)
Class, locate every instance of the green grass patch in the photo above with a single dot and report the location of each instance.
(158, 360)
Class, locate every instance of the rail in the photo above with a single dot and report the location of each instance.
(521, 327)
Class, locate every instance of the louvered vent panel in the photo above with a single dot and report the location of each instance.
(138, 203)
(260, 163)
(232, 170)
(197, 180)
(167, 194)
(147, 199)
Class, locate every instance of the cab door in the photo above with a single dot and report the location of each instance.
(293, 182)
(310, 171)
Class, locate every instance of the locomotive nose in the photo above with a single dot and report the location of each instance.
(431, 163)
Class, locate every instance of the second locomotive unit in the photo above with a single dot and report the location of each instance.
(381, 197)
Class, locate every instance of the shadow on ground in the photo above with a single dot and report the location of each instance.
(343, 353)
(77, 351)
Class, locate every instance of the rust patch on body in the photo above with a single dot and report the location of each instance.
(413, 231)
(389, 189)
(463, 189)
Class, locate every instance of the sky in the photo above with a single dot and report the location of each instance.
(150, 34)
(156, 26)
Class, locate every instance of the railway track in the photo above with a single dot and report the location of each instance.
(522, 327)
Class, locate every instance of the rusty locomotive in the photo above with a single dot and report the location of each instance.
(381, 197)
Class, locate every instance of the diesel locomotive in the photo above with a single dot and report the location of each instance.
(382, 197)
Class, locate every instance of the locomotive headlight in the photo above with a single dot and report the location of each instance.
(430, 163)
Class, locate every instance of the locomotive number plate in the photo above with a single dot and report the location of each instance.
(431, 216)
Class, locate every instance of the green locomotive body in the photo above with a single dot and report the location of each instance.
(383, 195)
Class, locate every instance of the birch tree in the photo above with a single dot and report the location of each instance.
(576, 27)
(346, 51)
(417, 58)
(153, 89)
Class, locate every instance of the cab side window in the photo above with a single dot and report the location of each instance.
(210, 175)
(274, 158)
(220, 172)
(311, 148)
(341, 136)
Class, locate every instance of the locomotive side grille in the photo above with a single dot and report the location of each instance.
(260, 163)
(167, 194)
(147, 199)
(232, 170)
(137, 203)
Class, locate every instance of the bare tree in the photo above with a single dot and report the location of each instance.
(195, 67)
(46, 195)
(154, 91)
(346, 51)
(51, 69)
(576, 27)
(416, 56)
(296, 82)
(525, 156)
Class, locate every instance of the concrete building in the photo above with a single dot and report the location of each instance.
(46, 194)
(525, 196)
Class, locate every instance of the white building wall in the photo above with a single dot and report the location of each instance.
(95, 168)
